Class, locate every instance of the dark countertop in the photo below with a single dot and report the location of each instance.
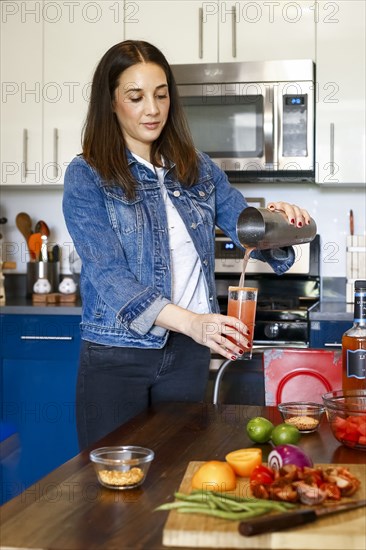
(67, 509)
(24, 306)
(321, 311)
(331, 311)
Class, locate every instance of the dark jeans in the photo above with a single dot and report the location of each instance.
(114, 384)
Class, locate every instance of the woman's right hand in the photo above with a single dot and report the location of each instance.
(224, 335)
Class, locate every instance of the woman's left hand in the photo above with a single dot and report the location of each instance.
(295, 214)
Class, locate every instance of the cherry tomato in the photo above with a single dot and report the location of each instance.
(333, 492)
(262, 475)
(351, 430)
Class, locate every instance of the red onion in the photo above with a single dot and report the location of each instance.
(288, 454)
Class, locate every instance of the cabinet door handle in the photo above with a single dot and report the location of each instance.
(55, 152)
(331, 153)
(233, 34)
(200, 33)
(46, 338)
(25, 153)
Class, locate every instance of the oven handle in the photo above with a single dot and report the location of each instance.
(261, 346)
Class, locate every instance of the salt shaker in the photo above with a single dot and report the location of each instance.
(42, 286)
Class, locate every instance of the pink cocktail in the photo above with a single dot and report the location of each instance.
(242, 304)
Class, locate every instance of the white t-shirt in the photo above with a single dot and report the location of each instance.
(188, 282)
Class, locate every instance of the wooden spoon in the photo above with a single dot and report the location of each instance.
(24, 224)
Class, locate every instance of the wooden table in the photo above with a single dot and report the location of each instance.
(68, 510)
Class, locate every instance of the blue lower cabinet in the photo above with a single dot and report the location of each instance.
(38, 379)
(327, 333)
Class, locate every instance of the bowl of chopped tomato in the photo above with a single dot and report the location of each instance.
(346, 413)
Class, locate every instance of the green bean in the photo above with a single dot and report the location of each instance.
(223, 514)
(217, 500)
(192, 497)
(223, 505)
(275, 504)
(176, 504)
(218, 504)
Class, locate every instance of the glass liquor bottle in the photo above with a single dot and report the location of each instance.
(354, 344)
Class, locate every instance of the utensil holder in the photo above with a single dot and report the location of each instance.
(43, 270)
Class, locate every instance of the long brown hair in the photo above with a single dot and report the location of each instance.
(103, 142)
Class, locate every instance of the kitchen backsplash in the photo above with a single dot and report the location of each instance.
(329, 207)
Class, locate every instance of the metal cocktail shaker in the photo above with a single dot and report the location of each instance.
(262, 229)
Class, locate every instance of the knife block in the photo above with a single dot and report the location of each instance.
(355, 263)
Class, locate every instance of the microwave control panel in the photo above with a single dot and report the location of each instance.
(294, 125)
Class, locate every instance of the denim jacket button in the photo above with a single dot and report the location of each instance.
(176, 193)
(205, 262)
(193, 225)
(202, 194)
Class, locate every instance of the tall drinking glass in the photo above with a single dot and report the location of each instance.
(242, 303)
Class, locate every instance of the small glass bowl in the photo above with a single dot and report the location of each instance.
(121, 467)
(346, 412)
(305, 415)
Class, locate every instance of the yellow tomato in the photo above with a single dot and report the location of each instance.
(244, 461)
(214, 475)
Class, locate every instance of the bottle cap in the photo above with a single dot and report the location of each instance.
(360, 285)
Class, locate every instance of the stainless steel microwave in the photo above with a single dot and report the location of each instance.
(256, 120)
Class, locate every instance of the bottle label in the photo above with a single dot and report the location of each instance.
(360, 307)
(356, 364)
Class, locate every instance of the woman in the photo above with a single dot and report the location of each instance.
(141, 206)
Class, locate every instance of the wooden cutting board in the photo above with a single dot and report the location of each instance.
(336, 532)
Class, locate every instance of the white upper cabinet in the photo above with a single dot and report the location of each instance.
(219, 31)
(48, 56)
(21, 94)
(262, 30)
(340, 108)
(76, 36)
(185, 31)
(49, 50)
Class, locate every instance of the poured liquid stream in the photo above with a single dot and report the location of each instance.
(245, 263)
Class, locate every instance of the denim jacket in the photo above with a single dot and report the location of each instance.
(124, 247)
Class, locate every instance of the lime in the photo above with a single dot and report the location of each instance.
(259, 429)
(285, 433)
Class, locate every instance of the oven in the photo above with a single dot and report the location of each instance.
(283, 301)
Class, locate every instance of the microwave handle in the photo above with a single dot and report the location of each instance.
(269, 123)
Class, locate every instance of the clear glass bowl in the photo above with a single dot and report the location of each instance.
(305, 415)
(346, 412)
(121, 467)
